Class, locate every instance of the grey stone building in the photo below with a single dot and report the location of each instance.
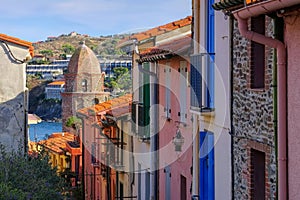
(13, 93)
(253, 115)
(254, 106)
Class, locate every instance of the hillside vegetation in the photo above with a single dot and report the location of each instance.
(66, 44)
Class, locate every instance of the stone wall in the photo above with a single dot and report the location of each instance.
(252, 117)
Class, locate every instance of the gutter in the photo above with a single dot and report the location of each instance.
(242, 16)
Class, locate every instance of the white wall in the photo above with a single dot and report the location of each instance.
(219, 122)
(13, 101)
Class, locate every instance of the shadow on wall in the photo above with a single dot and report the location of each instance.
(13, 122)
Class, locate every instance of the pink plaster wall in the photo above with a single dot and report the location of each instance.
(180, 163)
(292, 38)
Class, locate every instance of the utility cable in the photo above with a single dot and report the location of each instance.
(11, 54)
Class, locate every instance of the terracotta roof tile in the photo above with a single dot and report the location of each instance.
(57, 142)
(18, 41)
(112, 106)
(228, 4)
(160, 29)
(176, 46)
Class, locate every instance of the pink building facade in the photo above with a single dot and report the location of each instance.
(292, 42)
(175, 163)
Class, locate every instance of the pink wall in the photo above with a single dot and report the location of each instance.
(180, 163)
(292, 38)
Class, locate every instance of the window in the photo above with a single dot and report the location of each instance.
(147, 183)
(96, 101)
(133, 116)
(257, 55)
(202, 67)
(93, 153)
(257, 174)
(202, 82)
(84, 85)
(144, 103)
(196, 81)
(121, 193)
(183, 189)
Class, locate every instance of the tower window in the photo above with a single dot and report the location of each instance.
(84, 85)
(96, 101)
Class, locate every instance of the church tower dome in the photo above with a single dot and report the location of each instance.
(84, 85)
(84, 61)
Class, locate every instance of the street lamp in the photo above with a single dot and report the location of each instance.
(178, 140)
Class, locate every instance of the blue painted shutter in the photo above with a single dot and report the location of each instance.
(210, 47)
(196, 81)
(207, 177)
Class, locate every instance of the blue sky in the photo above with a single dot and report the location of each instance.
(35, 20)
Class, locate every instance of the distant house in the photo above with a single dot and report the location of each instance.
(54, 89)
(51, 38)
(13, 92)
(73, 33)
(108, 156)
(56, 68)
(64, 152)
(109, 64)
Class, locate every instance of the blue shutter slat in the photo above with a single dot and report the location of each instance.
(196, 81)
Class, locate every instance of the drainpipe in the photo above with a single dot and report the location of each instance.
(196, 47)
(242, 16)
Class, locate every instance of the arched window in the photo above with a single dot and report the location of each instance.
(96, 101)
(84, 85)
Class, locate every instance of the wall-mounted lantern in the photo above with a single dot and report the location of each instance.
(178, 140)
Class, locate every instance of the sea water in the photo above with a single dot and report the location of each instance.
(43, 129)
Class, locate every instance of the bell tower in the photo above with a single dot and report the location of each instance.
(84, 85)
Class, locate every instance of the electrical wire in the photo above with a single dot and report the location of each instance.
(11, 54)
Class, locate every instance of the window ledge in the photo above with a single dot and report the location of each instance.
(207, 112)
(210, 113)
(144, 139)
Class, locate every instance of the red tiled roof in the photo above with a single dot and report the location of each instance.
(116, 107)
(160, 29)
(57, 142)
(18, 41)
(176, 46)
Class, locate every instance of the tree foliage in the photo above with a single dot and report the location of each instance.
(121, 79)
(47, 52)
(28, 177)
(73, 122)
(68, 48)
